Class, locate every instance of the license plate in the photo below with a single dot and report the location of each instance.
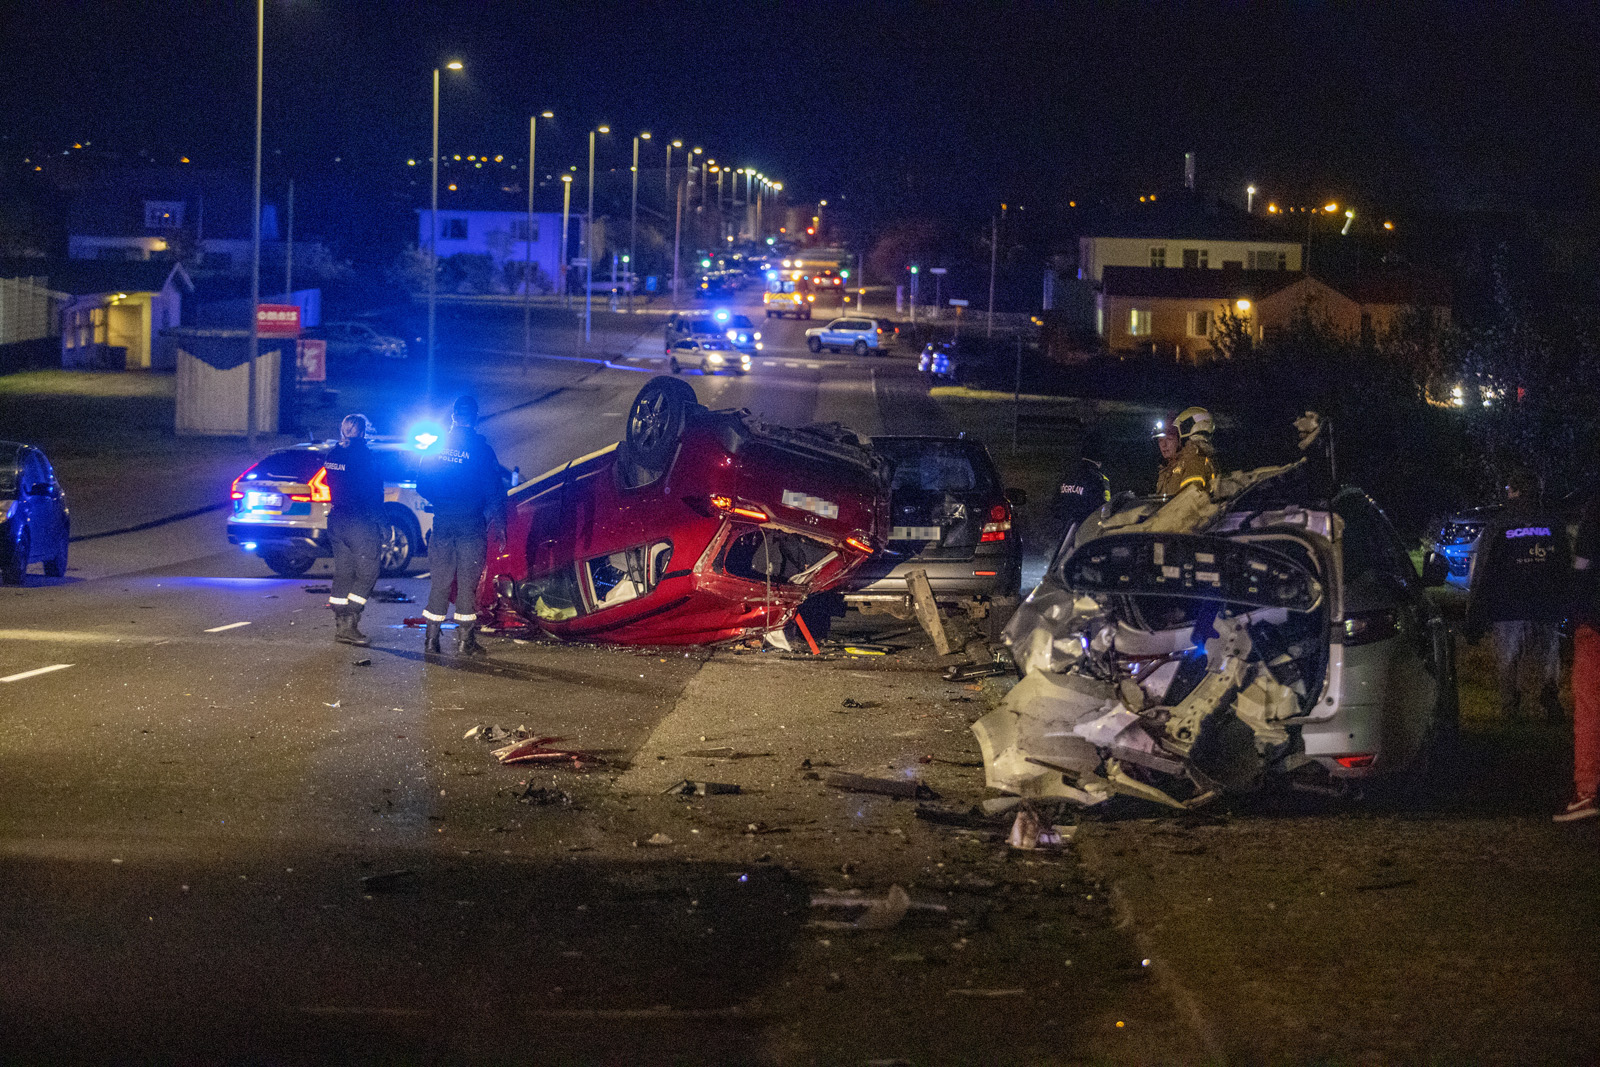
(264, 501)
(916, 533)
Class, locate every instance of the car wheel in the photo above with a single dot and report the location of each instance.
(397, 542)
(814, 343)
(14, 568)
(57, 568)
(287, 564)
(656, 420)
(673, 365)
(861, 348)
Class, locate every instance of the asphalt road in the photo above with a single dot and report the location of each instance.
(224, 839)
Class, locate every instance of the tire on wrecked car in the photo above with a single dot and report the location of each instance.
(656, 421)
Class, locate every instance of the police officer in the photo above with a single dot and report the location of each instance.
(1193, 464)
(461, 480)
(1084, 487)
(1518, 590)
(355, 493)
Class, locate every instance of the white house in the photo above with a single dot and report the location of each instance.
(1185, 233)
(504, 236)
(116, 310)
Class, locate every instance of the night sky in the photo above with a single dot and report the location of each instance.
(904, 109)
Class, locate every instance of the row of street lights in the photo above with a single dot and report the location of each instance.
(750, 173)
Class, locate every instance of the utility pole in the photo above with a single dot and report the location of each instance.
(288, 248)
(994, 249)
(255, 241)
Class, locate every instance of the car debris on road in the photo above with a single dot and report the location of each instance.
(904, 788)
(537, 750)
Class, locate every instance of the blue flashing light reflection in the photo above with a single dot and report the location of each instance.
(249, 546)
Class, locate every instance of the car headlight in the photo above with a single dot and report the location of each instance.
(757, 335)
(733, 335)
(714, 358)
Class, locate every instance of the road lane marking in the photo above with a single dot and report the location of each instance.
(35, 672)
(77, 637)
(230, 626)
(791, 363)
(813, 366)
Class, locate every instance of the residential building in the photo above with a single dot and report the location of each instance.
(1182, 233)
(502, 234)
(110, 312)
(1155, 309)
(199, 216)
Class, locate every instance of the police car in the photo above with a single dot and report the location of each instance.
(280, 508)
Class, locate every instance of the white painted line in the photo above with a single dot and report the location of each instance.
(424, 574)
(35, 672)
(230, 626)
(786, 363)
(813, 366)
(611, 414)
(77, 637)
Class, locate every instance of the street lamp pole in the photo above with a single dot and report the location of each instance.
(566, 213)
(633, 226)
(433, 230)
(994, 250)
(527, 268)
(588, 242)
(255, 242)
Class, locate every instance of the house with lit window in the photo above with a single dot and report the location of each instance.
(110, 312)
(1176, 312)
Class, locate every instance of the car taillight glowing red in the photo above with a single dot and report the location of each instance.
(1354, 762)
(320, 493)
(999, 524)
(858, 544)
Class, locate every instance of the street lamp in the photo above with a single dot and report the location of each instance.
(667, 180)
(1349, 217)
(633, 223)
(1249, 199)
(588, 240)
(527, 270)
(566, 212)
(433, 227)
(255, 245)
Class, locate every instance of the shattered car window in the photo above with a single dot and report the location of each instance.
(775, 556)
(623, 576)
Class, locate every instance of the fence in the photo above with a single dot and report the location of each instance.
(28, 310)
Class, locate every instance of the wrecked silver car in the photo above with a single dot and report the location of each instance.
(1184, 648)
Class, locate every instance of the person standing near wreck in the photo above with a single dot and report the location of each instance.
(1193, 464)
(355, 496)
(1084, 487)
(461, 480)
(1165, 436)
(1586, 668)
(1517, 591)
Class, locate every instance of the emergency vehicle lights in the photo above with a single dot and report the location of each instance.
(858, 544)
(424, 435)
(249, 546)
(721, 315)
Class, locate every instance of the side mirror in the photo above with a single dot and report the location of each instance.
(1017, 497)
(1435, 569)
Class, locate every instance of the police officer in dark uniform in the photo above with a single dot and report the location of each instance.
(460, 478)
(1084, 487)
(355, 494)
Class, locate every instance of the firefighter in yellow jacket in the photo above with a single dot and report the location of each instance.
(1193, 463)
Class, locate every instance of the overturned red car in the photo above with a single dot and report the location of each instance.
(698, 527)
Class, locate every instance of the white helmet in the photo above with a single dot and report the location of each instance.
(1191, 421)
